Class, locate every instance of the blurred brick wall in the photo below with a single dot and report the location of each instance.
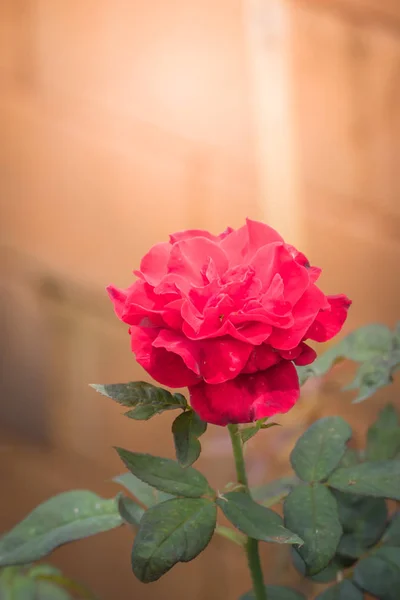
(124, 121)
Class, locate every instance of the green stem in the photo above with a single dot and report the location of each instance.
(251, 546)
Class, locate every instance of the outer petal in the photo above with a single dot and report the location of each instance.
(153, 265)
(329, 322)
(248, 397)
(260, 234)
(118, 298)
(304, 314)
(215, 360)
(165, 367)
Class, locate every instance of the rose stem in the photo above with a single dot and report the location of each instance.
(251, 547)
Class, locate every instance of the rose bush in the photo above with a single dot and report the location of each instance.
(228, 316)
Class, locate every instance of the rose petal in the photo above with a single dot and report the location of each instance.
(247, 397)
(260, 234)
(165, 367)
(188, 258)
(262, 357)
(329, 322)
(153, 265)
(304, 314)
(307, 356)
(216, 360)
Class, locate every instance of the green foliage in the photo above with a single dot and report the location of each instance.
(64, 518)
(392, 533)
(186, 429)
(378, 479)
(320, 449)
(145, 493)
(375, 346)
(246, 433)
(277, 592)
(311, 512)
(131, 513)
(171, 532)
(345, 590)
(363, 520)
(165, 474)
(255, 520)
(328, 574)
(144, 400)
(273, 492)
(383, 439)
(41, 582)
(379, 574)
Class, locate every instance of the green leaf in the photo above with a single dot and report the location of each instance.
(311, 512)
(379, 574)
(374, 346)
(328, 574)
(45, 590)
(273, 492)
(363, 521)
(379, 479)
(277, 592)
(231, 534)
(186, 429)
(145, 493)
(383, 439)
(255, 520)
(370, 377)
(165, 474)
(392, 533)
(67, 517)
(144, 399)
(130, 511)
(345, 590)
(320, 449)
(246, 433)
(21, 588)
(171, 532)
(19, 584)
(350, 458)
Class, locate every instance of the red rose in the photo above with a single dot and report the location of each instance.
(227, 316)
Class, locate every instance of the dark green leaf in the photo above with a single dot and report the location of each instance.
(255, 520)
(392, 533)
(145, 493)
(330, 573)
(379, 574)
(171, 532)
(311, 512)
(67, 517)
(165, 474)
(320, 449)
(186, 429)
(144, 399)
(383, 439)
(130, 511)
(379, 479)
(341, 591)
(350, 458)
(363, 521)
(277, 592)
(273, 492)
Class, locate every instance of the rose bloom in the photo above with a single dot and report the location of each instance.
(228, 316)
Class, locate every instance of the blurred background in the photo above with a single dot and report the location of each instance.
(123, 121)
